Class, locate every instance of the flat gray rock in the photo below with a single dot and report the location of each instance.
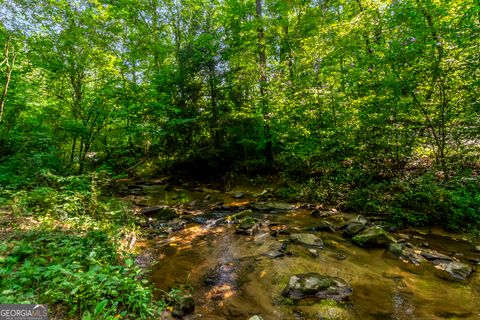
(314, 285)
(307, 239)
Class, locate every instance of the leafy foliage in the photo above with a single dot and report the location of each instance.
(82, 273)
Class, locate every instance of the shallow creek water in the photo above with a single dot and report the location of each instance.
(242, 280)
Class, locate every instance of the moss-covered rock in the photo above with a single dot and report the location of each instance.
(236, 217)
(373, 237)
(247, 226)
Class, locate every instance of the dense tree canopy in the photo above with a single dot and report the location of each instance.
(308, 86)
(308, 81)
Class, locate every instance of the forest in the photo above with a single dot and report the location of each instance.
(120, 120)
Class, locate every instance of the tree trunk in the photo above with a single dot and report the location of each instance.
(9, 61)
(213, 100)
(262, 59)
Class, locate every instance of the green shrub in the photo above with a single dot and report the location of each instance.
(454, 204)
(287, 193)
(76, 272)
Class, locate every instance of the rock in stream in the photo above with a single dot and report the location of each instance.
(373, 237)
(452, 270)
(354, 226)
(306, 239)
(159, 212)
(247, 226)
(314, 285)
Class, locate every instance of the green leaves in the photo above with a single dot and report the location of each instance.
(99, 307)
(94, 282)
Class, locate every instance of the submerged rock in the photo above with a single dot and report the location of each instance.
(265, 206)
(392, 276)
(240, 215)
(313, 252)
(160, 212)
(318, 286)
(454, 314)
(417, 255)
(170, 226)
(274, 254)
(198, 219)
(373, 237)
(325, 226)
(406, 254)
(307, 239)
(396, 249)
(434, 255)
(452, 270)
(221, 274)
(354, 226)
(340, 256)
(278, 229)
(320, 214)
(277, 253)
(329, 309)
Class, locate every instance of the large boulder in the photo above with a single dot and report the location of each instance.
(306, 239)
(373, 237)
(314, 285)
(354, 226)
(452, 270)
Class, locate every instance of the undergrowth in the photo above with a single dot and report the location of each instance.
(62, 246)
(415, 199)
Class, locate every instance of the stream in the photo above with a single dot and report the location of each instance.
(237, 276)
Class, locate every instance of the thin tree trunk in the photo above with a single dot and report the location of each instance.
(439, 131)
(262, 58)
(72, 154)
(10, 53)
(213, 99)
